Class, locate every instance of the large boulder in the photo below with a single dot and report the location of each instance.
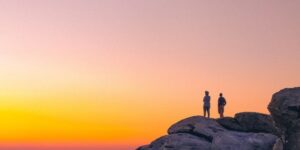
(231, 124)
(249, 122)
(178, 141)
(243, 141)
(197, 125)
(197, 132)
(285, 110)
(256, 122)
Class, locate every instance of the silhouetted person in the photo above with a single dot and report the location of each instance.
(206, 105)
(221, 105)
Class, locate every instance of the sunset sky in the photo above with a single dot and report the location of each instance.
(114, 74)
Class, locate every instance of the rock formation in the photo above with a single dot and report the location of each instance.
(199, 133)
(285, 110)
(249, 122)
(244, 131)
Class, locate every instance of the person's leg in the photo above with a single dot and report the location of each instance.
(208, 112)
(204, 111)
(221, 111)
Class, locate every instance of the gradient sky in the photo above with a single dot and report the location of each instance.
(117, 74)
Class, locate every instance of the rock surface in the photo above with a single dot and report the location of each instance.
(182, 141)
(231, 124)
(249, 122)
(243, 141)
(197, 132)
(285, 110)
(278, 145)
(197, 125)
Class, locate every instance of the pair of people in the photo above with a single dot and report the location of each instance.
(206, 106)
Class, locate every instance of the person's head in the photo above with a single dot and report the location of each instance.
(206, 93)
(221, 94)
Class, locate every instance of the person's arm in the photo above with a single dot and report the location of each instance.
(225, 102)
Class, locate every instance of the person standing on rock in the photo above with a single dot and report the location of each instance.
(206, 105)
(221, 105)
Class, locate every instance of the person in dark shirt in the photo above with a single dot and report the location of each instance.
(206, 105)
(221, 105)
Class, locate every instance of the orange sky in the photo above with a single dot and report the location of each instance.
(120, 73)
